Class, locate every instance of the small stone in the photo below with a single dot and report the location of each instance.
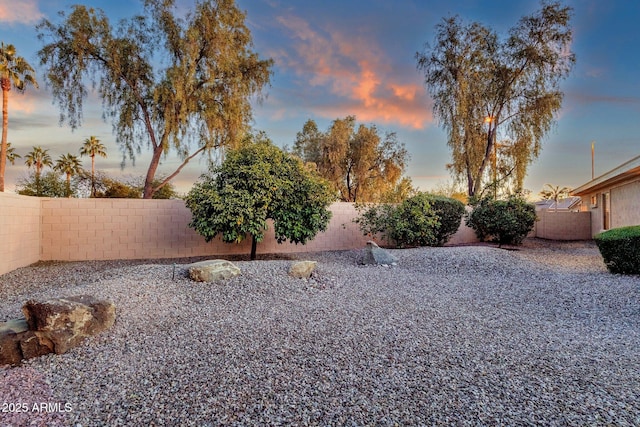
(302, 269)
(213, 270)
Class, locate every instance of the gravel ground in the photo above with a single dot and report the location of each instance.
(471, 335)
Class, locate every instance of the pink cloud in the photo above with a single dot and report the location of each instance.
(26, 12)
(357, 72)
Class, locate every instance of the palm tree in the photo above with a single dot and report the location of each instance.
(551, 192)
(11, 154)
(69, 165)
(92, 147)
(16, 72)
(39, 158)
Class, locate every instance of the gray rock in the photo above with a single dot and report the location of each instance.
(213, 270)
(375, 255)
(302, 269)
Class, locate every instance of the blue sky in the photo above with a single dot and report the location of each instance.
(339, 57)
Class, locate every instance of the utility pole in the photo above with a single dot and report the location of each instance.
(593, 162)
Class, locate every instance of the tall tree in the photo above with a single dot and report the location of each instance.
(14, 72)
(39, 158)
(69, 165)
(197, 102)
(361, 165)
(92, 147)
(497, 98)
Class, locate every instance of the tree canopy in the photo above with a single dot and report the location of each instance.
(361, 165)
(166, 82)
(15, 72)
(254, 183)
(497, 98)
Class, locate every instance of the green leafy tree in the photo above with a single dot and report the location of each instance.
(49, 184)
(555, 193)
(38, 158)
(361, 165)
(92, 147)
(69, 165)
(484, 87)
(169, 82)
(257, 182)
(114, 189)
(17, 73)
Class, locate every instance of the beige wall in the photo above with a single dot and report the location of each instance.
(19, 231)
(563, 225)
(47, 229)
(87, 229)
(625, 205)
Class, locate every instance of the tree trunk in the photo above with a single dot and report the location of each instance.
(254, 245)
(6, 86)
(93, 175)
(151, 173)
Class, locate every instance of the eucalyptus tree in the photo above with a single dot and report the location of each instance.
(38, 158)
(92, 147)
(69, 165)
(17, 73)
(167, 82)
(485, 87)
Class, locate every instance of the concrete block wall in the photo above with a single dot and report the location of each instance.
(19, 231)
(563, 225)
(99, 229)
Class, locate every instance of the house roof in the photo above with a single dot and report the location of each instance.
(625, 172)
(563, 204)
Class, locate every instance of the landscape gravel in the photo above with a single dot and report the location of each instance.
(465, 335)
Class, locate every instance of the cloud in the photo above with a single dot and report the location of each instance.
(22, 12)
(356, 72)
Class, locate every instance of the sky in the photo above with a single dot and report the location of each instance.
(335, 58)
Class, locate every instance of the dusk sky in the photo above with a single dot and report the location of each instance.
(335, 58)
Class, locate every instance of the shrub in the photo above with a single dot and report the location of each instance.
(421, 220)
(620, 248)
(449, 212)
(505, 221)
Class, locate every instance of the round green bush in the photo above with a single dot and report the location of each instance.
(620, 249)
(505, 221)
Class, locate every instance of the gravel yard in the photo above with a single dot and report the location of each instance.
(468, 335)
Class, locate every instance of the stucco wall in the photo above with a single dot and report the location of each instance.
(19, 231)
(625, 205)
(563, 225)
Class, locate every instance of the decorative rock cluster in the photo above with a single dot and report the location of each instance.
(53, 326)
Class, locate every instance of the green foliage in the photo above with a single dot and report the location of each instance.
(620, 248)
(168, 80)
(420, 220)
(257, 182)
(449, 212)
(114, 189)
(484, 86)
(361, 165)
(48, 184)
(505, 221)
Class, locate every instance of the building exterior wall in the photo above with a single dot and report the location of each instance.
(19, 231)
(625, 205)
(563, 225)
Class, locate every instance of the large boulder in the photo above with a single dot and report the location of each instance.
(375, 255)
(302, 269)
(53, 326)
(213, 270)
(65, 322)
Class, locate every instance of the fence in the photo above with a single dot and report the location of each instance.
(45, 229)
